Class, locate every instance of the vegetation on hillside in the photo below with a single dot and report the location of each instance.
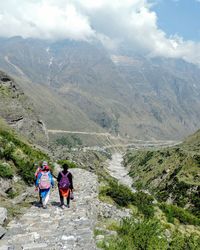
(148, 234)
(171, 174)
(152, 225)
(71, 164)
(124, 197)
(70, 141)
(16, 156)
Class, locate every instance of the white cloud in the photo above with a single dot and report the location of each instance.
(130, 22)
(43, 19)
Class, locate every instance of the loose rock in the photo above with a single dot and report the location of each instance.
(3, 215)
(2, 231)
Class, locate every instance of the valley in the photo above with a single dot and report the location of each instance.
(99, 125)
(121, 122)
(117, 170)
(94, 218)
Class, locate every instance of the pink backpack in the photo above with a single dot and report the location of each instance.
(45, 181)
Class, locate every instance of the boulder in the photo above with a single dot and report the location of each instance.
(2, 231)
(3, 215)
(5, 184)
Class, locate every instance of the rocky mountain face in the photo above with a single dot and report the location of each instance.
(124, 94)
(19, 112)
(168, 90)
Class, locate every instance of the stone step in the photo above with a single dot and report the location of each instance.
(54, 228)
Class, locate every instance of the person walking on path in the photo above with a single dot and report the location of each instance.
(44, 181)
(39, 169)
(65, 185)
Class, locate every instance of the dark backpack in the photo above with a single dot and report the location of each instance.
(64, 182)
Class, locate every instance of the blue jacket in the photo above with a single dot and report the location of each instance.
(39, 176)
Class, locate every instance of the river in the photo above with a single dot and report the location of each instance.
(118, 171)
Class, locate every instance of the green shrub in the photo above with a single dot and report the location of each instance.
(26, 170)
(144, 202)
(21, 154)
(123, 196)
(184, 216)
(195, 198)
(8, 150)
(6, 171)
(147, 156)
(70, 141)
(133, 235)
(148, 235)
(183, 242)
(71, 164)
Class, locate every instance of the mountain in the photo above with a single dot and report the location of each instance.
(17, 109)
(172, 174)
(166, 92)
(80, 86)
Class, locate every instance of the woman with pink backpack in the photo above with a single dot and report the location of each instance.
(44, 181)
(65, 185)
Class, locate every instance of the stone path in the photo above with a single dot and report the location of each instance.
(117, 170)
(54, 228)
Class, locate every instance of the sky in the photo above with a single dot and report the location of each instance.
(179, 17)
(169, 28)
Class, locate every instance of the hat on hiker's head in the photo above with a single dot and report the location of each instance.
(44, 163)
(46, 168)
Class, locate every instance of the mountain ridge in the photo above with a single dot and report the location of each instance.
(135, 97)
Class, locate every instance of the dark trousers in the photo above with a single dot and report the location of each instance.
(40, 197)
(62, 198)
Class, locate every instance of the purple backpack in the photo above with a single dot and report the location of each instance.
(64, 182)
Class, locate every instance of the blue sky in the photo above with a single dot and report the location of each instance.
(180, 17)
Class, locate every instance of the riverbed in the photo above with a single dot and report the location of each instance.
(118, 171)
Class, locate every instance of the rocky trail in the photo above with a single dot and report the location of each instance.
(69, 228)
(120, 142)
(55, 228)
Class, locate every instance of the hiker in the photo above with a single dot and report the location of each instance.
(65, 185)
(44, 182)
(38, 170)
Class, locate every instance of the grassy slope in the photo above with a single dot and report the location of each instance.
(16, 156)
(151, 226)
(17, 159)
(172, 173)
